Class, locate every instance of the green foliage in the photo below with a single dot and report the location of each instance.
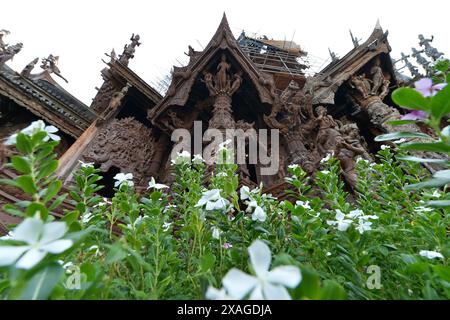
(437, 106)
(380, 242)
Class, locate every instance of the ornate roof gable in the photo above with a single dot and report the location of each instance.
(339, 71)
(184, 78)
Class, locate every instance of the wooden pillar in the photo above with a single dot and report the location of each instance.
(70, 158)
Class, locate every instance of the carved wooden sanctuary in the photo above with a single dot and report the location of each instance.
(233, 83)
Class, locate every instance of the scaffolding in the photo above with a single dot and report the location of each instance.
(274, 56)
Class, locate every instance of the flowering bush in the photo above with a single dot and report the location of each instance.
(184, 242)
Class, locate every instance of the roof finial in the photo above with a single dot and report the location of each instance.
(129, 49)
(355, 40)
(378, 25)
(50, 64)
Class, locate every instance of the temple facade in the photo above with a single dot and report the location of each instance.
(242, 83)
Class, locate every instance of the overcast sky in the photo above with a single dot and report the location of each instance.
(81, 31)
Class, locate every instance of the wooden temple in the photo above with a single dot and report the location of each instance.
(233, 83)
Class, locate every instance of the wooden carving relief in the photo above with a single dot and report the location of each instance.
(126, 144)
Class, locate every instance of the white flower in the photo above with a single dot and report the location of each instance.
(33, 128)
(436, 194)
(326, 158)
(328, 254)
(67, 265)
(103, 203)
(212, 200)
(123, 178)
(94, 248)
(384, 147)
(431, 254)
(182, 157)
(399, 141)
(166, 226)
(355, 213)
(245, 193)
(40, 240)
(197, 159)
(216, 294)
(305, 205)
(293, 166)
(216, 232)
(423, 209)
(363, 226)
(325, 172)
(360, 159)
(221, 174)
(86, 164)
(342, 223)
(85, 218)
(367, 217)
(152, 184)
(8, 236)
(259, 214)
(270, 285)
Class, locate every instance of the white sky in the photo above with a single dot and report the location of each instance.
(81, 31)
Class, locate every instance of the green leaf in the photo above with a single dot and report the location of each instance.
(23, 143)
(425, 146)
(71, 217)
(52, 190)
(207, 261)
(410, 99)
(417, 159)
(440, 103)
(432, 183)
(58, 202)
(42, 283)
(26, 183)
(37, 208)
(12, 210)
(400, 122)
(21, 164)
(439, 203)
(310, 285)
(48, 169)
(116, 253)
(400, 135)
(448, 78)
(332, 291)
(442, 65)
(442, 271)
(9, 182)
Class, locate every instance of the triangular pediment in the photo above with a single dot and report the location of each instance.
(183, 78)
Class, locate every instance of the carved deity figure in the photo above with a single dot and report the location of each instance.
(420, 59)
(173, 122)
(346, 154)
(3, 34)
(377, 77)
(115, 102)
(50, 64)
(222, 74)
(130, 49)
(289, 108)
(353, 137)
(209, 83)
(361, 84)
(326, 137)
(429, 50)
(9, 52)
(237, 80)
